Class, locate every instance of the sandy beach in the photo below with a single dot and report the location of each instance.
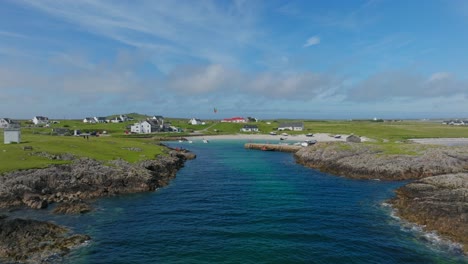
(320, 137)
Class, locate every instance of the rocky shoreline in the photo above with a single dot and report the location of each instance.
(437, 203)
(32, 241)
(438, 200)
(70, 186)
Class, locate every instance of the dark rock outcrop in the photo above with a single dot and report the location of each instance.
(438, 203)
(74, 207)
(87, 179)
(31, 241)
(364, 161)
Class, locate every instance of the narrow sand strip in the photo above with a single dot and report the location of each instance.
(442, 141)
(320, 137)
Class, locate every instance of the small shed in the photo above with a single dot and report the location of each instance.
(353, 138)
(11, 135)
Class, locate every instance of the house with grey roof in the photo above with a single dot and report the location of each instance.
(100, 119)
(292, 126)
(249, 128)
(8, 122)
(89, 120)
(40, 120)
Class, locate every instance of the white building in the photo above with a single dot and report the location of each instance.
(195, 121)
(100, 119)
(89, 120)
(11, 135)
(249, 128)
(40, 120)
(144, 127)
(7, 122)
(295, 126)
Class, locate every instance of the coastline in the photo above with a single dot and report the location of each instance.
(70, 186)
(320, 137)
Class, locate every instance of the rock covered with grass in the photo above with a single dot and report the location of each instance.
(439, 203)
(366, 161)
(85, 179)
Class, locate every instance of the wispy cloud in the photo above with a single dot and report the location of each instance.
(11, 34)
(166, 28)
(315, 40)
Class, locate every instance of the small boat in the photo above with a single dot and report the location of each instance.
(205, 141)
(337, 136)
(190, 141)
(283, 138)
(273, 133)
(284, 134)
(310, 135)
(180, 141)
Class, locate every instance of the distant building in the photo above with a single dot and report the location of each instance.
(89, 120)
(8, 123)
(11, 135)
(195, 121)
(234, 120)
(455, 122)
(249, 128)
(294, 126)
(100, 119)
(40, 120)
(116, 120)
(151, 126)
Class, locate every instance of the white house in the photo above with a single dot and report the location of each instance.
(294, 126)
(89, 120)
(100, 119)
(7, 122)
(144, 127)
(249, 128)
(11, 135)
(40, 120)
(195, 121)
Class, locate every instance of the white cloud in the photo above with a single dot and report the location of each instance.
(199, 80)
(407, 85)
(315, 40)
(439, 76)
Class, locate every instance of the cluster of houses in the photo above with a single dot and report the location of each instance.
(152, 125)
(456, 122)
(292, 126)
(117, 119)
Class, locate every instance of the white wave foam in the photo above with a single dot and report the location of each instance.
(430, 238)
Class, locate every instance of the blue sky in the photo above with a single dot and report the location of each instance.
(268, 59)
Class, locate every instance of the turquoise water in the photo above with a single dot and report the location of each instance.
(232, 205)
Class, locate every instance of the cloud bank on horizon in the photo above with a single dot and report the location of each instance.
(297, 59)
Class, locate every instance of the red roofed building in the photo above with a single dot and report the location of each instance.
(234, 120)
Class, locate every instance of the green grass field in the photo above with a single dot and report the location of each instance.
(387, 135)
(391, 131)
(103, 148)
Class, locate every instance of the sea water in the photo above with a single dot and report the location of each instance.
(232, 205)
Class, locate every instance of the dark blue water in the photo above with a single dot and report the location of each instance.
(232, 205)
